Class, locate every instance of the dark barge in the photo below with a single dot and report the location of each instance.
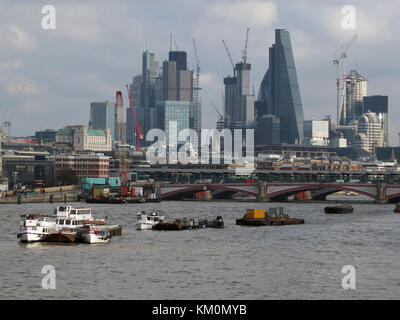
(189, 223)
(339, 209)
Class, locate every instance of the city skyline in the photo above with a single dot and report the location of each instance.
(85, 60)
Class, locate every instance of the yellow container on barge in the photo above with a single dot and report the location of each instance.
(255, 213)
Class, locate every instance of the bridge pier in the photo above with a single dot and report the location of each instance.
(157, 190)
(262, 195)
(381, 196)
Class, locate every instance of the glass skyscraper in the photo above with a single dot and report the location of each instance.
(279, 89)
(182, 112)
(102, 116)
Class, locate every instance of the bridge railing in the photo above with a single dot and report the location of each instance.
(278, 177)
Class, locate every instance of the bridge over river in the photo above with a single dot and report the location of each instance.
(266, 191)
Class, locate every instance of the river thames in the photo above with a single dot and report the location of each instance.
(237, 262)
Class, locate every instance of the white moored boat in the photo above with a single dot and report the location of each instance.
(92, 234)
(146, 220)
(62, 226)
(35, 227)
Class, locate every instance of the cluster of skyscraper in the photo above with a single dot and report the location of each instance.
(170, 92)
(164, 94)
(277, 115)
(364, 120)
(159, 95)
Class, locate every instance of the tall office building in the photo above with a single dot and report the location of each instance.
(230, 97)
(177, 103)
(136, 91)
(102, 116)
(316, 132)
(239, 103)
(180, 58)
(179, 111)
(177, 83)
(379, 105)
(150, 70)
(280, 91)
(244, 108)
(369, 132)
(355, 90)
(267, 130)
(144, 95)
(158, 88)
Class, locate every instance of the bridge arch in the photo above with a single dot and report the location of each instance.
(281, 194)
(394, 197)
(202, 187)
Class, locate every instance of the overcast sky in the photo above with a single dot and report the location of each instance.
(49, 77)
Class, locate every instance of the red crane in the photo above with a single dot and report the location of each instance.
(137, 128)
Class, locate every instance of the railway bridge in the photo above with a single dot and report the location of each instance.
(266, 191)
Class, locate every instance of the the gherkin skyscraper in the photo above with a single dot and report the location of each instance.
(279, 89)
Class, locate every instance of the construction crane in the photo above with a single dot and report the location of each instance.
(196, 89)
(343, 50)
(120, 140)
(226, 114)
(244, 52)
(196, 58)
(138, 128)
(230, 57)
(221, 117)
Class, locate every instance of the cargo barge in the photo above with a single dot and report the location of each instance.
(189, 223)
(269, 217)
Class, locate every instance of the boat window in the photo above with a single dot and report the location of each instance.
(60, 221)
(155, 219)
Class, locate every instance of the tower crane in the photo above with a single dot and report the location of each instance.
(221, 117)
(196, 89)
(197, 59)
(244, 52)
(342, 55)
(230, 57)
(138, 128)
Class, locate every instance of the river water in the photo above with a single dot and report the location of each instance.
(237, 262)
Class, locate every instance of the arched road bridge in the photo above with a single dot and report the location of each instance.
(263, 191)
